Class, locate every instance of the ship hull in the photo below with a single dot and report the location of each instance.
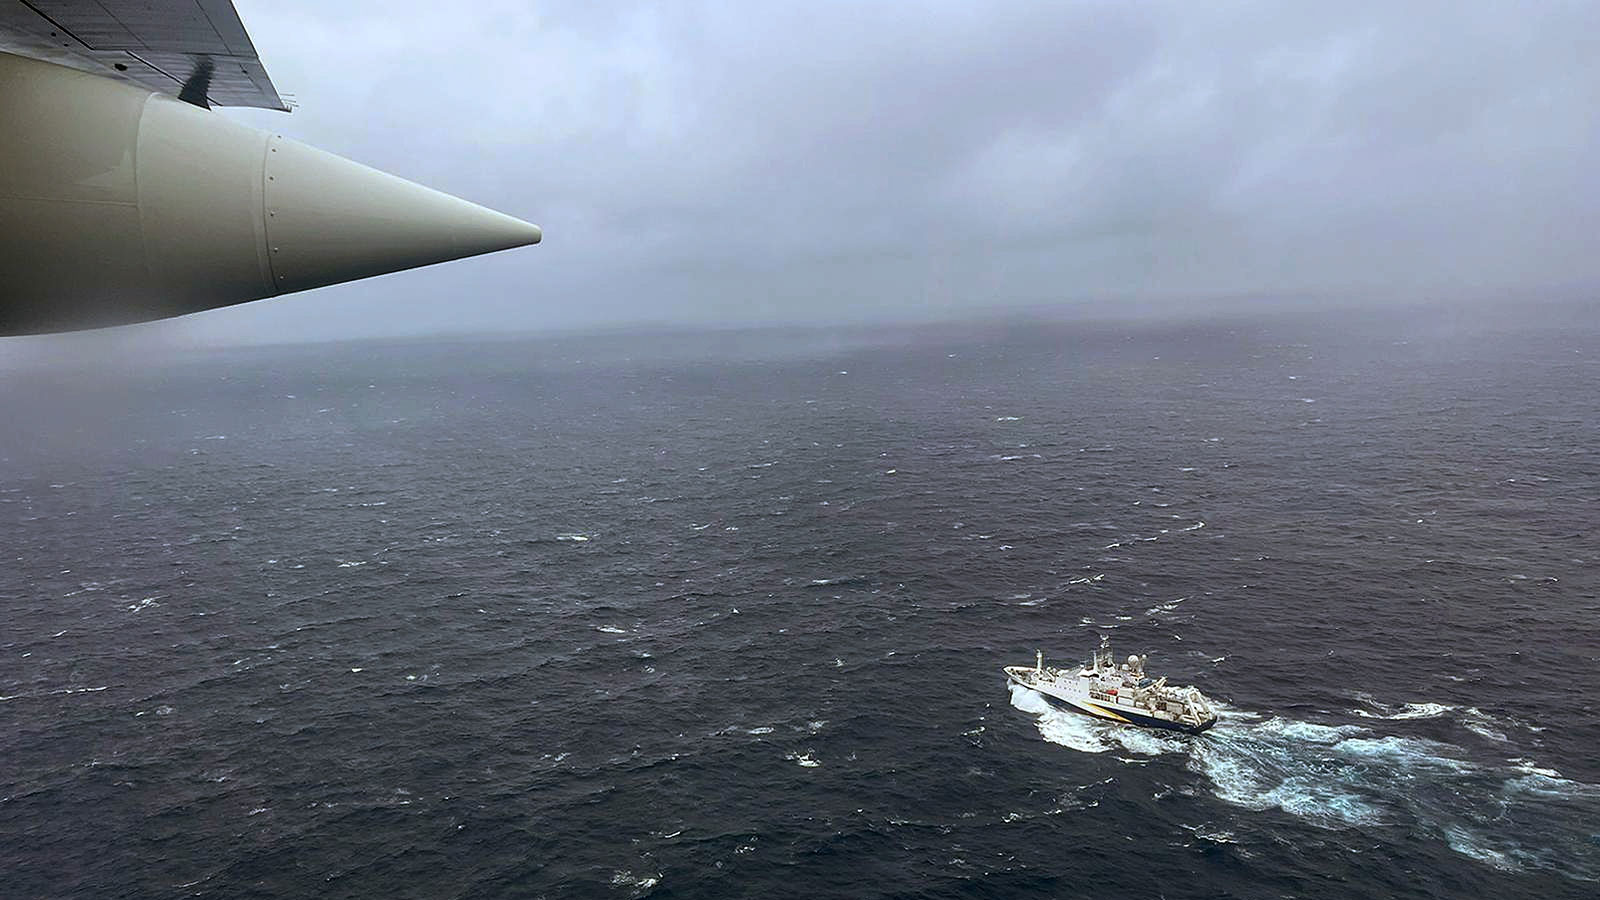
(1119, 714)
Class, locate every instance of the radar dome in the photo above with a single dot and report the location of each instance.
(1133, 659)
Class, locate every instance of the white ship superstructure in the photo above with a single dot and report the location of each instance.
(1117, 692)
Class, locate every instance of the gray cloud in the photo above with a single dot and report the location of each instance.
(716, 162)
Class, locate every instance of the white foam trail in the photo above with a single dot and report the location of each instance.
(1145, 741)
(1324, 774)
(1521, 817)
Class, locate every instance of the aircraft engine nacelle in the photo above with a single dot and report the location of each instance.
(118, 204)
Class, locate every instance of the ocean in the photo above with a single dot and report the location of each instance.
(723, 614)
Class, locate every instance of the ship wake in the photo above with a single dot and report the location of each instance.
(1511, 815)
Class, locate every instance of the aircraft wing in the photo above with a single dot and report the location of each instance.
(195, 50)
(124, 198)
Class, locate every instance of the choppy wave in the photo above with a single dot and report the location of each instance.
(1516, 816)
(1484, 724)
(592, 718)
(1409, 711)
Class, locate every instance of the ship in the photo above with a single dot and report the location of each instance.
(1117, 692)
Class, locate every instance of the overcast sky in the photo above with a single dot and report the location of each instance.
(768, 162)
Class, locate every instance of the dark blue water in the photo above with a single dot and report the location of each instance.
(724, 615)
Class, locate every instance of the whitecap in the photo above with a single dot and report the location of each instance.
(1479, 724)
(610, 629)
(1310, 732)
(639, 885)
(1165, 607)
(804, 760)
(1422, 711)
(87, 690)
(1407, 711)
(1548, 775)
(1208, 833)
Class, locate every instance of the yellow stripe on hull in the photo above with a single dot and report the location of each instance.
(1093, 709)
